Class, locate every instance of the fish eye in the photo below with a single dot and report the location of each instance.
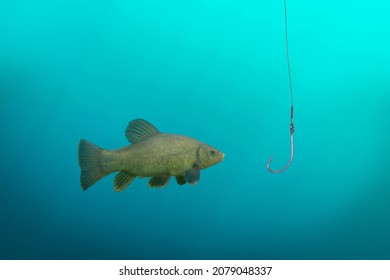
(212, 152)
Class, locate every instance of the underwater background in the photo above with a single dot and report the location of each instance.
(216, 71)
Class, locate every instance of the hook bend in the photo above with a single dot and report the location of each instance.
(291, 153)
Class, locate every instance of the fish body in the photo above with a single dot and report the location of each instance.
(151, 154)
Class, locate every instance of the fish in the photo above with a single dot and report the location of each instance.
(149, 154)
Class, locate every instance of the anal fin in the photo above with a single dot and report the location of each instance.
(122, 180)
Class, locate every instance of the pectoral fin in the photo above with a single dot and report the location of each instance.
(192, 176)
(122, 180)
(159, 181)
(181, 180)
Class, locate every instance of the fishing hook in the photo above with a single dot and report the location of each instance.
(291, 147)
(292, 106)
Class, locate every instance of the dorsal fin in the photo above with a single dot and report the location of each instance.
(139, 130)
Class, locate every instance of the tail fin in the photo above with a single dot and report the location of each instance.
(89, 161)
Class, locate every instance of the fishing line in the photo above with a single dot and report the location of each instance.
(291, 100)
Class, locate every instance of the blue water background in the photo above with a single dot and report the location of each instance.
(215, 71)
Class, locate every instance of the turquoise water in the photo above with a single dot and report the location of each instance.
(216, 71)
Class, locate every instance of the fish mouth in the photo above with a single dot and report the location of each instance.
(223, 156)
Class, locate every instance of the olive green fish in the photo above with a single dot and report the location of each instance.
(150, 154)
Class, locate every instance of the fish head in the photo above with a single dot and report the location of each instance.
(209, 156)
